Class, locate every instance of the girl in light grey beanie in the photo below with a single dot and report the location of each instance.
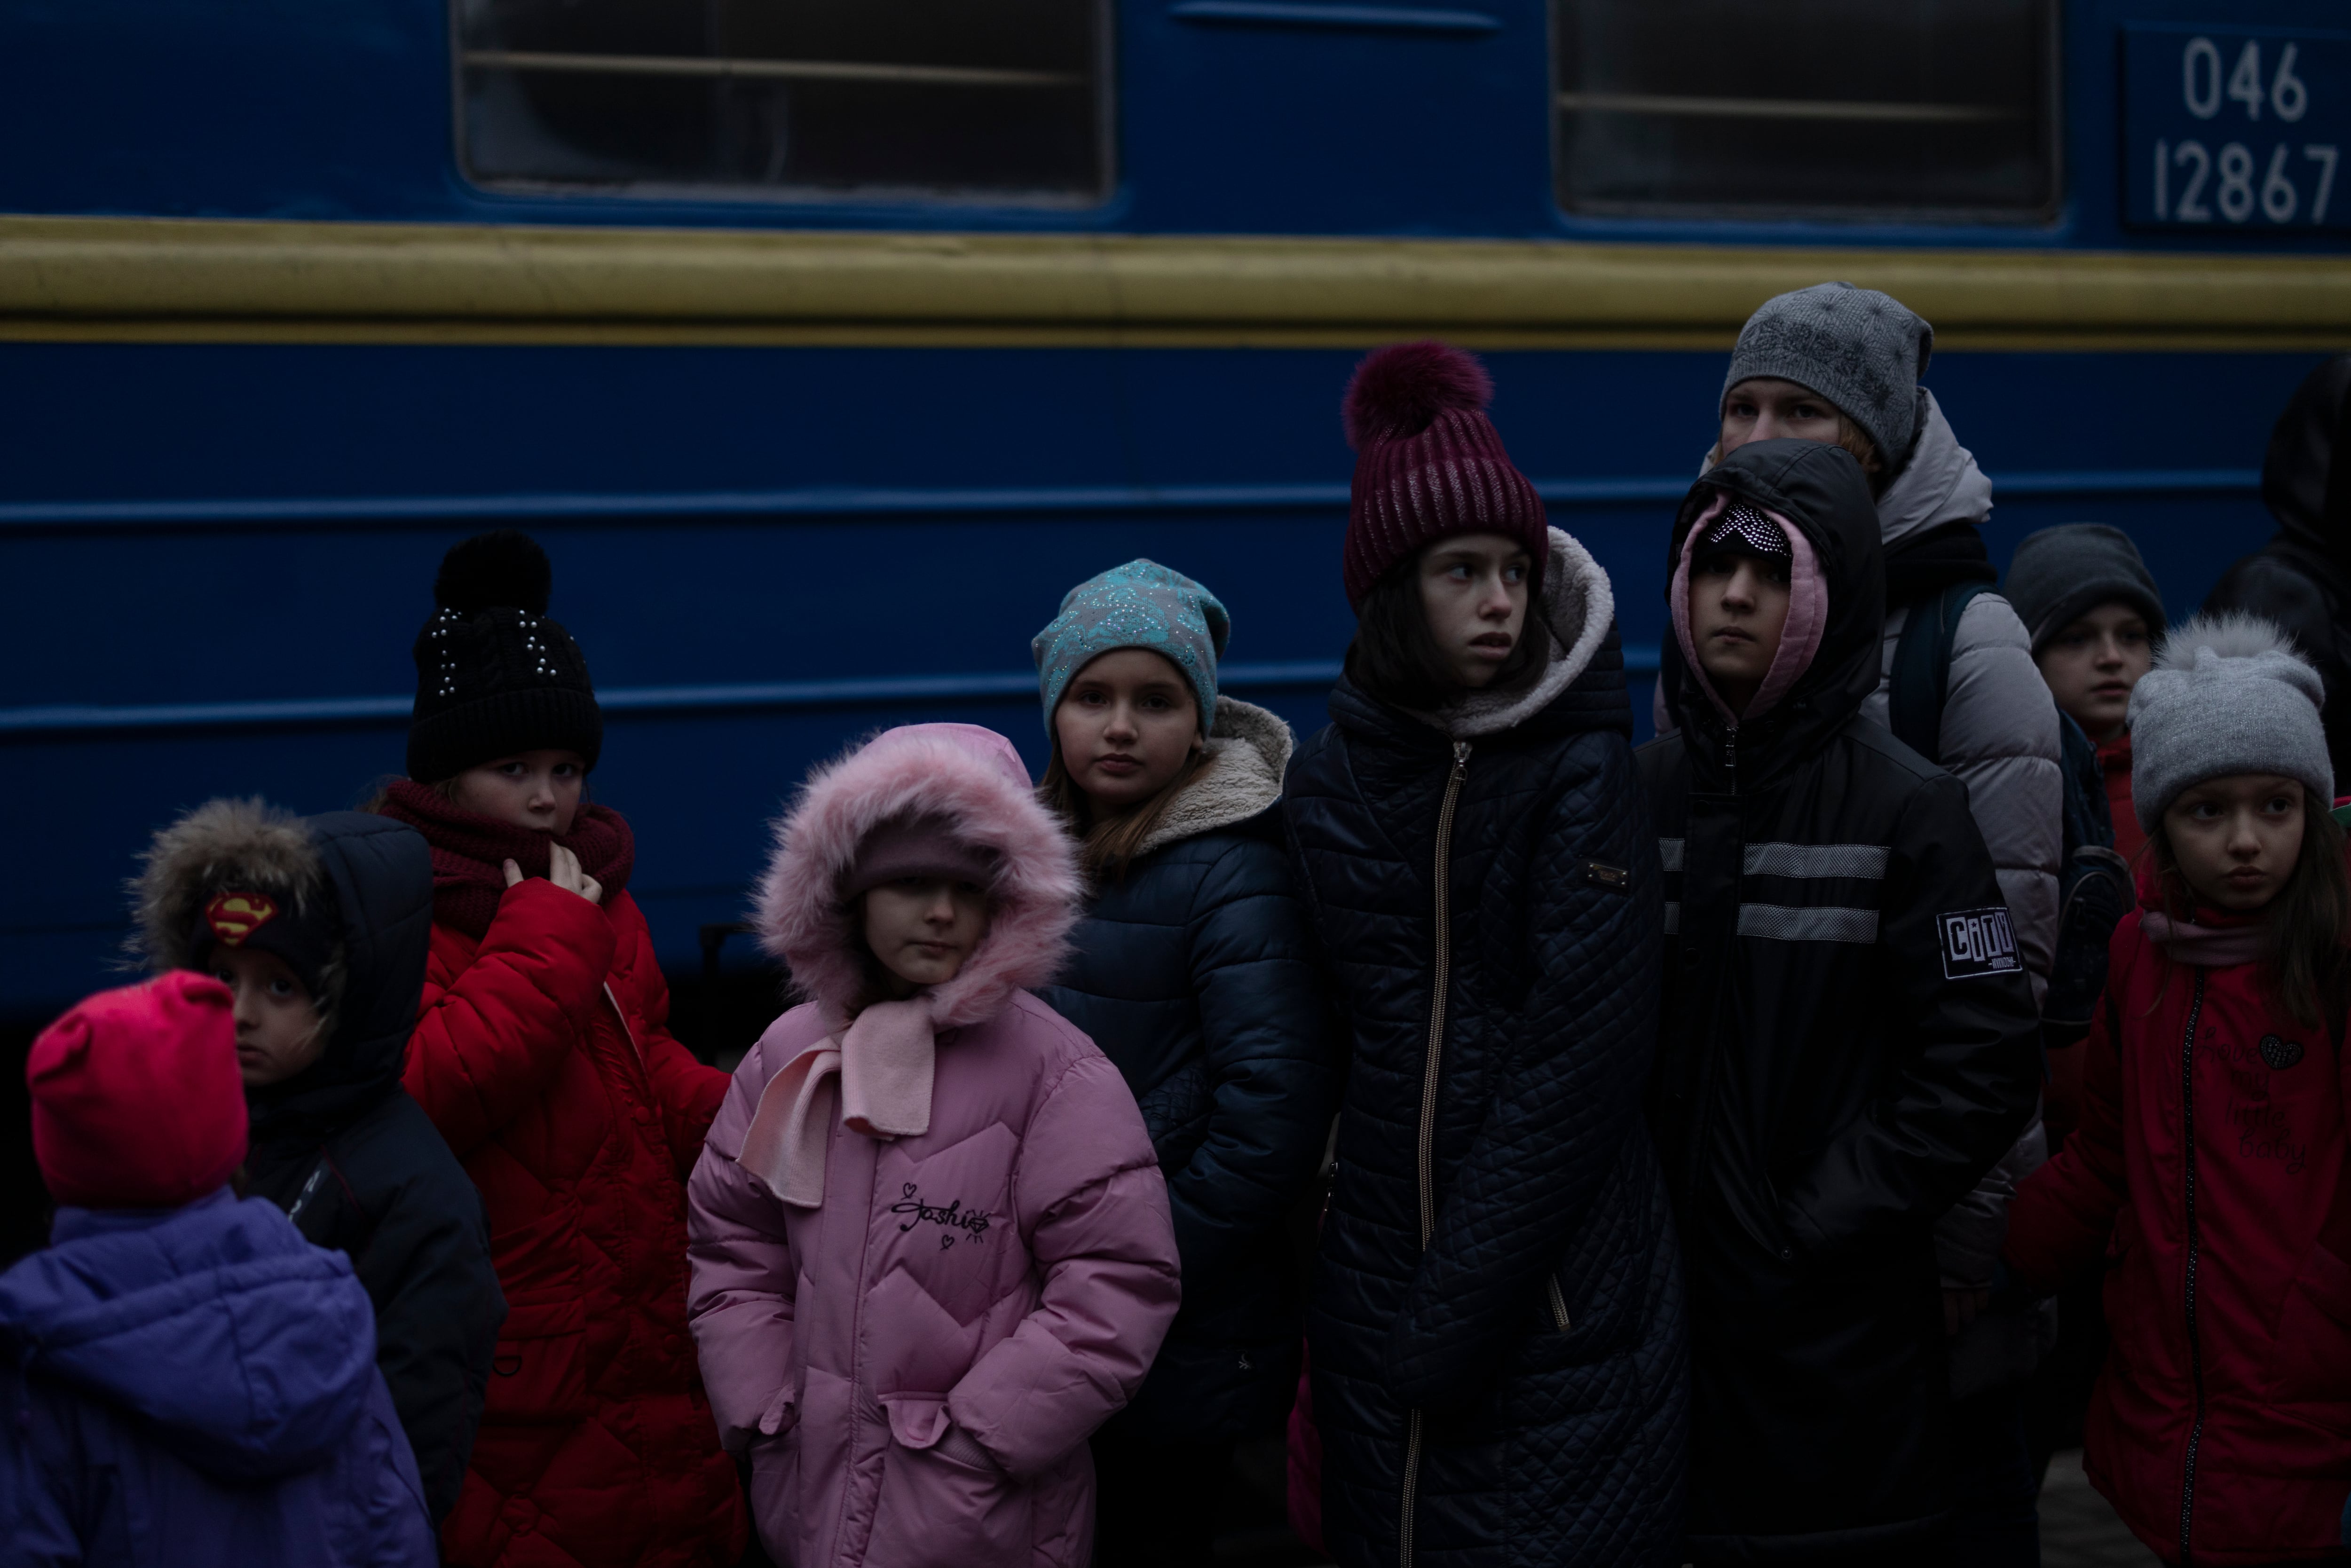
(2228, 695)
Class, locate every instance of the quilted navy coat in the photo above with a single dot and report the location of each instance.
(1499, 1372)
(1194, 973)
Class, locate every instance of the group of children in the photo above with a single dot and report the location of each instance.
(1672, 1119)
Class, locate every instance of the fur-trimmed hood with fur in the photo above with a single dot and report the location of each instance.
(374, 874)
(971, 778)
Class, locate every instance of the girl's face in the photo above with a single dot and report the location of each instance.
(277, 1022)
(923, 929)
(1768, 409)
(1474, 590)
(2236, 838)
(1737, 608)
(538, 789)
(1126, 724)
(2091, 665)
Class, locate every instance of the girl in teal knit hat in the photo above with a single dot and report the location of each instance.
(1192, 970)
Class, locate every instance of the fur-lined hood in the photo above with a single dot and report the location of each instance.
(973, 778)
(375, 877)
(1251, 748)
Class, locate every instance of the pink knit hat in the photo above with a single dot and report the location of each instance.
(137, 1101)
(1428, 463)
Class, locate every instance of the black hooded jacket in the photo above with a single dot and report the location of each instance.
(1849, 1043)
(2302, 577)
(1499, 1369)
(360, 1170)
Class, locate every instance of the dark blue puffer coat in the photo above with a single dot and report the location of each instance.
(1195, 973)
(1500, 1370)
(196, 1387)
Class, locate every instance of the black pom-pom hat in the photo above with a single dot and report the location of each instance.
(495, 675)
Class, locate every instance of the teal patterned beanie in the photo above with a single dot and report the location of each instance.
(1139, 605)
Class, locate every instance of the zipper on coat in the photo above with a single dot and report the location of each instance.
(1442, 974)
(1558, 1303)
(1731, 756)
(2188, 1292)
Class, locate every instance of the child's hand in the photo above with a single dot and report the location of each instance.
(563, 871)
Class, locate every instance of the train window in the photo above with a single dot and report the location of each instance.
(1941, 110)
(924, 98)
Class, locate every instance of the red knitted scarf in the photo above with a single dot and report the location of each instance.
(470, 852)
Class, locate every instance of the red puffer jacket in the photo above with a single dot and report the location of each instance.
(542, 1056)
(2209, 1169)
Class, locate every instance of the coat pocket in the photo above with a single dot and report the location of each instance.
(538, 1373)
(2310, 1358)
(939, 1507)
(539, 1370)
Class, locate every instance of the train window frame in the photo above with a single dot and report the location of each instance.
(687, 193)
(2048, 214)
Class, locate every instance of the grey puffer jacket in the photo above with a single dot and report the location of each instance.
(2000, 737)
(2000, 724)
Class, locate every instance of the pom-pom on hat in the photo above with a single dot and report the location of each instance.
(1429, 464)
(137, 1101)
(495, 675)
(2228, 695)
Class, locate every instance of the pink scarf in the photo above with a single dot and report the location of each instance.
(2205, 947)
(882, 1064)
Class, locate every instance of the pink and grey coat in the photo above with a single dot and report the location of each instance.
(915, 1352)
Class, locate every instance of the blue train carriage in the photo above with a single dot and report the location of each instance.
(825, 345)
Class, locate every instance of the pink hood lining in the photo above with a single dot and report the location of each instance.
(1800, 636)
(973, 778)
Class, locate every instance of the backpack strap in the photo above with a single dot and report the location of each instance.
(1922, 668)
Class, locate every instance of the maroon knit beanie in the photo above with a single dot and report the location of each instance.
(1428, 463)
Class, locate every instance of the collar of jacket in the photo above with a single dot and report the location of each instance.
(1928, 563)
(1251, 748)
(1820, 490)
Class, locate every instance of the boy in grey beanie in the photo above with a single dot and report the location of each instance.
(2228, 695)
(2095, 617)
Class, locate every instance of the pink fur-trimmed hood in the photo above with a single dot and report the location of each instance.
(972, 778)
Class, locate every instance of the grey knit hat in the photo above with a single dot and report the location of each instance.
(2228, 695)
(1861, 349)
(2059, 575)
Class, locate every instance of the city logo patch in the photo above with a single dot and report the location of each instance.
(233, 916)
(2279, 1053)
(1977, 942)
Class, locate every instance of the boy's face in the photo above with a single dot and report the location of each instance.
(536, 790)
(1737, 606)
(276, 1021)
(1474, 590)
(2091, 665)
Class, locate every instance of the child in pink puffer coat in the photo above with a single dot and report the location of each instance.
(930, 1243)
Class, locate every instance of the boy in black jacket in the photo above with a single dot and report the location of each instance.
(1850, 1040)
(319, 927)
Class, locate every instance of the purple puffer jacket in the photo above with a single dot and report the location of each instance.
(916, 1364)
(198, 1387)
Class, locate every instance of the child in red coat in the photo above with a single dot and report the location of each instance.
(543, 1056)
(2209, 1166)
